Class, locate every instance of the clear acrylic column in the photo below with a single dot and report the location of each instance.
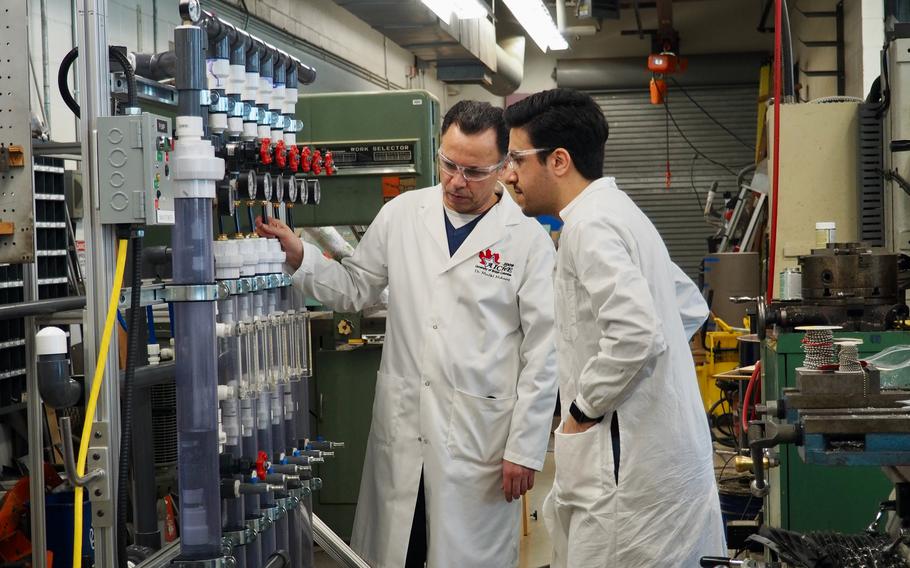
(195, 170)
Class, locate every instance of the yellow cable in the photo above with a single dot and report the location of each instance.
(100, 364)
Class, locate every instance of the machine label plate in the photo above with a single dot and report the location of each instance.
(372, 154)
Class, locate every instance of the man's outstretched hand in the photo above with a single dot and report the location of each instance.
(292, 245)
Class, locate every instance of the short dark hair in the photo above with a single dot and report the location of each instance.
(475, 117)
(564, 118)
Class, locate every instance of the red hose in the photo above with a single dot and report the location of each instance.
(747, 400)
(775, 175)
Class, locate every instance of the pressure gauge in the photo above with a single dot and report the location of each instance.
(314, 194)
(278, 194)
(264, 187)
(246, 184)
(301, 190)
(292, 189)
(190, 10)
(226, 191)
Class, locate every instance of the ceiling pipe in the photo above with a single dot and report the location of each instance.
(571, 31)
(510, 65)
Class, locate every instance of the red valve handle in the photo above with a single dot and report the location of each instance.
(306, 159)
(265, 155)
(317, 162)
(261, 460)
(329, 161)
(281, 157)
(294, 158)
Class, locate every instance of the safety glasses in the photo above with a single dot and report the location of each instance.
(515, 157)
(468, 173)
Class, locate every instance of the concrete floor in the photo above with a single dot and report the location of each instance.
(535, 547)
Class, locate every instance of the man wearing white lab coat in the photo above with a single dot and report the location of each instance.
(634, 484)
(467, 384)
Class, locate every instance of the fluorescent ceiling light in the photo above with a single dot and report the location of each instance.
(463, 9)
(535, 18)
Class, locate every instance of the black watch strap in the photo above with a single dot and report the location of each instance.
(580, 416)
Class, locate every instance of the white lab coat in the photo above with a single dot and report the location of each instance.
(625, 312)
(467, 377)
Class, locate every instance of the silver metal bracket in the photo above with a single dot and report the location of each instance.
(274, 513)
(288, 503)
(197, 292)
(234, 539)
(300, 493)
(98, 463)
(259, 525)
(151, 294)
(220, 562)
(223, 104)
(236, 287)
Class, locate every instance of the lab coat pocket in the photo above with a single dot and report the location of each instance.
(479, 427)
(386, 407)
(566, 308)
(581, 473)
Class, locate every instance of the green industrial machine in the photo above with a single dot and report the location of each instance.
(808, 497)
(383, 143)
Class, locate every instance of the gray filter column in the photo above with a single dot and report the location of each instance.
(195, 169)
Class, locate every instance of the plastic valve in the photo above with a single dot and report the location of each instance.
(317, 162)
(265, 151)
(330, 168)
(294, 158)
(281, 157)
(262, 464)
(306, 159)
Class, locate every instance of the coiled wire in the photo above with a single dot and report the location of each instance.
(818, 345)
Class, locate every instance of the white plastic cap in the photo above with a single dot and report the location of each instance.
(50, 341)
(262, 255)
(228, 260)
(826, 225)
(188, 126)
(278, 255)
(248, 252)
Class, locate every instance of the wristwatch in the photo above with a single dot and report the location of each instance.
(580, 416)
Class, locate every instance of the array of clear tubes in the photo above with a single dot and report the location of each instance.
(245, 461)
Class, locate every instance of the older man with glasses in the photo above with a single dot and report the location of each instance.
(467, 383)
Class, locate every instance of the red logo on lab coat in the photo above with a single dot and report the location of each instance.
(488, 256)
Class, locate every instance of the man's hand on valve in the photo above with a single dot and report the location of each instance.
(290, 242)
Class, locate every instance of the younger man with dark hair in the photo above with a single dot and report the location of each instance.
(634, 480)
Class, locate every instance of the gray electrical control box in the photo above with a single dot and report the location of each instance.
(134, 169)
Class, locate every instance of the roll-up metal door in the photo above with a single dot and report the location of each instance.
(636, 155)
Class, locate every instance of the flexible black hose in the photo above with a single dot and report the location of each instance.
(64, 71)
(62, 84)
(120, 57)
(126, 412)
